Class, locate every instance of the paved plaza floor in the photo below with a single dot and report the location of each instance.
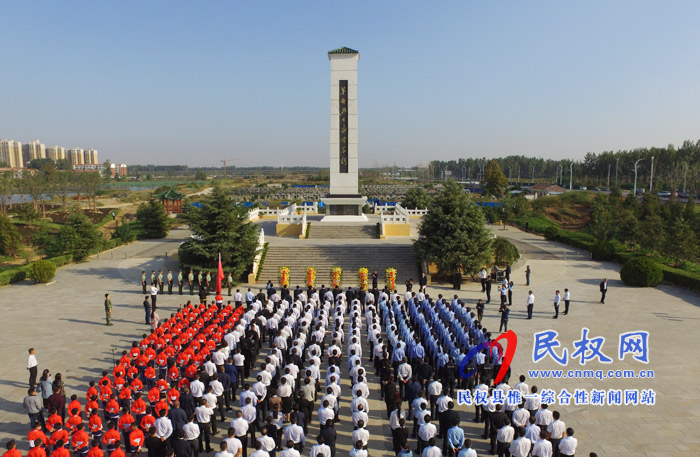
(64, 321)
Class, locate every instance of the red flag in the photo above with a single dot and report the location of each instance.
(219, 276)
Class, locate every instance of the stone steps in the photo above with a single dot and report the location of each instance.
(324, 230)
(349, 257)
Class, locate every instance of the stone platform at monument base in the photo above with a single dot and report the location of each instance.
(350, 257)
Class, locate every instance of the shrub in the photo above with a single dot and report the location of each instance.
(603, 250)
(681, 278)
(10, 239)
(42, 271)
(61, 260)
(552, 233)
(12, 275)
(641, 272)
(504, 252)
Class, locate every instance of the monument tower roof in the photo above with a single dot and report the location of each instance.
(343, 50)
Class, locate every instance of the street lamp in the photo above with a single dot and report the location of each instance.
(571, 175)
(635, 175)
(560, 171)
(651, 175)
(617, 162)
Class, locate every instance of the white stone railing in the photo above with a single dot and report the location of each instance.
(417, 212)
(309, 208)
(303, 226)
(261, 244)
(400, 216)
(289, 215)
(268, 212)
(253, 214)
(383, 208)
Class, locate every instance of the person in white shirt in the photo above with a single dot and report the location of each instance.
(356, 402)
(425, 432)
(223, 452)
(567, 300)
(267, 442)
(522, 386)
(530, 304)
(557, 300)
(360, 434)
(197, 387)
(431, 450)
(543, 417)
(467, 450)
(259, 451)
(360, 415)
(521, 416)
(164, 427)
(556, 430)
(504, 437)
(543, 447)
(532, 401)
(204, 414)
(191, 433)
(358, 450)
(294, 434)
(233, 444)
(290, 451)
(240, 427)
(520, 447)
(32, 367)
(567, 446)
(325, 413)
(321, 449)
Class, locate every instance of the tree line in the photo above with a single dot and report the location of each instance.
(674, 168)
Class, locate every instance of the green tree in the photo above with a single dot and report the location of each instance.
(10, 239)
(416, 197)
(7, 188)
(200, 176)
(604, 222)
(219, 227)
(78, 236)
(454, 234)
(495, 182)
(153, 219)
(681, 244)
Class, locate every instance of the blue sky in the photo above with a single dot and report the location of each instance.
(175, 82)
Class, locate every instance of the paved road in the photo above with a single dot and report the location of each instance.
(64, 322)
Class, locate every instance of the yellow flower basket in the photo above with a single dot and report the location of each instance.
(391, 278)
(284, 276)
(336, 276)
(363, 278)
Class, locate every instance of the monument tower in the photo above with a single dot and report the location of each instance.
(344, 201)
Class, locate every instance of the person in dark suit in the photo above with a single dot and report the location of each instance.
(329, 436)
(375, 279)
(181, 447)
(603, 289)
(399, 436)
(423, 282)
(177, 416)
(488, 290)
(498, 419)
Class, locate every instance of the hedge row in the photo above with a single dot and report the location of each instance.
(19, 273)
(577, 239)
(681, 277)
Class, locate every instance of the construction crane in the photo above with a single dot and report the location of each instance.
(224, 162)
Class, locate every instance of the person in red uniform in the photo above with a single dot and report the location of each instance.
(110, 437)
(117, 452)
(80, 441)
(60, 451)
(36, 434)
(12, 450)
(74, 420)
(148, 420)
(161, 404)
(125, 398)
(95, 425)
(95, 450)
(92, 390)
(53, 420)
(136, 384)
(74, 404)
(150, 375)
(138, 408)
(104, 380)
(38, 449)
(136, 439)
(58, 435)
(112, 409)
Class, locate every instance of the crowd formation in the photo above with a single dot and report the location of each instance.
(270, 367)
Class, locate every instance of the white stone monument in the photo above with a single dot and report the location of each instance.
(344, 202)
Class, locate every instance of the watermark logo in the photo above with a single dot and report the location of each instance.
(510, 337)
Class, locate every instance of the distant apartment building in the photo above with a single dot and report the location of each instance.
(76, 156)
(11, 153)
(117, 169)
(90, 156)
(33, 150)
(56, 153)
